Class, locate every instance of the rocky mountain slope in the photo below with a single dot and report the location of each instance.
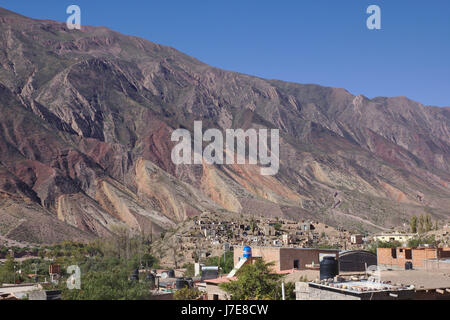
(85, 124)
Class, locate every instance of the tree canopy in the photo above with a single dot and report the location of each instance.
(257, 282)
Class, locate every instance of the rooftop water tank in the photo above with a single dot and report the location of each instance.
(329, 268)
(247, 252)
(181, 283)
(171, 273)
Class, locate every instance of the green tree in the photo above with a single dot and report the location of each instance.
(413, 224)
(416, 242)
(277, 226)
(107, 285)
(253, 226)
(421, 226)
(9, 264)
(187, 294)
(190, 269)
(7, 271)
(255, 282)
(428, 224)
(226, 266)
(382, 244)
(289, 290)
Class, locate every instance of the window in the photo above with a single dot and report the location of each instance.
(216, 297)
(296, 264)
(408, 254)
(394, 253)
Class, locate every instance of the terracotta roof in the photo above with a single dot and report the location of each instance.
(220, 280)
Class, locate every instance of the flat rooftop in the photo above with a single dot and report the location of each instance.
(11, 289)
(420, 279)
(361, 287)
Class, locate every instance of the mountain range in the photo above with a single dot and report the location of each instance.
(86, 118)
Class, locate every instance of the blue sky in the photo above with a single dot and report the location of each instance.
(307, 41)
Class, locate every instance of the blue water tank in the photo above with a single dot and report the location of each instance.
(247, 252)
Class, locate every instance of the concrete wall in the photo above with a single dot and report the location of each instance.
(437, 265)
(305, 291)
(319, 294)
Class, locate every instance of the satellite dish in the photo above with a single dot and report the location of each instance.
(164, 275)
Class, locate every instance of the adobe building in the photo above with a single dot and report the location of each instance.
(356, 239)
(287, 258)
(396, 258)
(403, 238)
(213, 290)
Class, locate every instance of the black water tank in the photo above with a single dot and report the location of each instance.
(329, 268)
(190, 282)
(181, 283)
(171, 273)
(408, 265)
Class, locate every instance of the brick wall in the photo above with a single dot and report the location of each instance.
(284, 257)
(444, 253)
(417, 256)
(304, 257)
(268, 255)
